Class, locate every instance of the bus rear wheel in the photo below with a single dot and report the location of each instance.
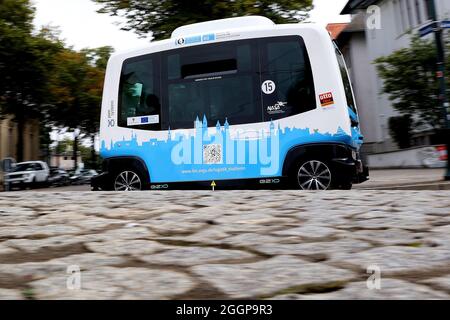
(128, 180)
(314, 175)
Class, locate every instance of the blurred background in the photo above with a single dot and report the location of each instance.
(53, 56)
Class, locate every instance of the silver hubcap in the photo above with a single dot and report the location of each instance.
(127, 181)
(314, 175)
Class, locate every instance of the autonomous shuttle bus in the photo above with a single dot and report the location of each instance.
(234, 103)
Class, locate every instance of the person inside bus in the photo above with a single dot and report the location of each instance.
(150, 107)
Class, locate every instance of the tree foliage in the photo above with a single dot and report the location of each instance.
(41, 78)
(26, 63)
(409, 77)
(163, 16)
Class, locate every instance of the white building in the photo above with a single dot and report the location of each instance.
(399, 20)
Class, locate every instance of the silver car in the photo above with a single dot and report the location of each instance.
(28, 174)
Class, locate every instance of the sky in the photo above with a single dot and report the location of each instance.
(82, 27)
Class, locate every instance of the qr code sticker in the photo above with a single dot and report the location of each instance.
(212, 154)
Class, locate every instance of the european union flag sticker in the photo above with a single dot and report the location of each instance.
(144, 120)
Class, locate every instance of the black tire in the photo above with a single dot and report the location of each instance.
(313, 174)
(345, 186)
(128, 179)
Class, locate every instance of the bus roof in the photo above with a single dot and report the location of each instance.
(222, 25)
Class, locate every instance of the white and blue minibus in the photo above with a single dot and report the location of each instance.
(232, 103)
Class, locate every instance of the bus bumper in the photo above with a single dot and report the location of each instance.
(101, 182)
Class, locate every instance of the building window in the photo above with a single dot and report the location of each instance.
(427, 9)
(401, 12)
(418, 12)
(410, 23)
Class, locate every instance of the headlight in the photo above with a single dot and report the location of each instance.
(354, 155)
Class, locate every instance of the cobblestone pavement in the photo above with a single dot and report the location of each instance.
(220, 245)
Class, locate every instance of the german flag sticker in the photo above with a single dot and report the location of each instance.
(326, 99)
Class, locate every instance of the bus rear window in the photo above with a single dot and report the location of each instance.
(217, 81)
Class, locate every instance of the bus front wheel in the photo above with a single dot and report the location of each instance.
(128, 180)
(313, 175)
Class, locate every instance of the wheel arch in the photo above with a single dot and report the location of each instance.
(318, 151)
(115, 164)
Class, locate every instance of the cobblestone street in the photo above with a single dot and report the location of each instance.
(219, 245)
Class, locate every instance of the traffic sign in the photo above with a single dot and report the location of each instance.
(427, 29)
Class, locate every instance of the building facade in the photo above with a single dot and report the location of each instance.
(399, 21)
(8, 139)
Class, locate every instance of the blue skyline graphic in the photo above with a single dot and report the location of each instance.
(180, 157)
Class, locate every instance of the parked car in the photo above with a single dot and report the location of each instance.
(83, 176)
(28, 174)
(58, 177)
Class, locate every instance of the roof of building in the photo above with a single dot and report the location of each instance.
(336, 28)
(356, 25)
(353, 5)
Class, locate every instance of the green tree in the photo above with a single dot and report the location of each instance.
(98, 58)
(77, 92)
(26, 63)
(162, 17)
(409, 77)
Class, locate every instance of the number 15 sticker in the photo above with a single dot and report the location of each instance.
(268, 87)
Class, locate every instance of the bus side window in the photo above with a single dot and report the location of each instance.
(346, 80)
(285, 64)
(139, 101)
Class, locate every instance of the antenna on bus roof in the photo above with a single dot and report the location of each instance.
(222, 24)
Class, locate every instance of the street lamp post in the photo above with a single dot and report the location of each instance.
(441, 78)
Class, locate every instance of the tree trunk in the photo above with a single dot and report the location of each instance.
(75, 152)
(93, 153)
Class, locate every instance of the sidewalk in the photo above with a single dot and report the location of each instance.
(406, 179)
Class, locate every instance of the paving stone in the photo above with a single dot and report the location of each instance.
(126, 247)
(392, 259)
(18, 232)
(137, 232)
(114, 283)
(269, 276)
(440, 282)
(189, 256)
(38, 270)
(307, 231)
(391, 289)
(10, 294)
(4, 249)
(40, 244)
(389, 237)
(314, 248)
